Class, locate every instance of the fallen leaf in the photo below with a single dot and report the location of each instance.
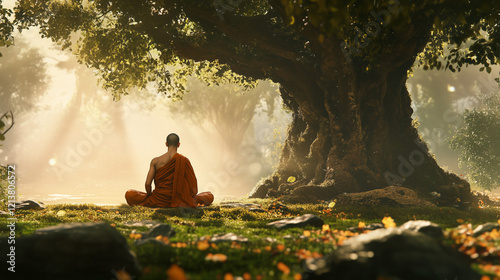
(176, 273)
(228, 276)
(203, 245)
(283, 268)
(325, 227)
(291, 179)
(361, 225)
(61, 213)
(216, 257)
(388, 222)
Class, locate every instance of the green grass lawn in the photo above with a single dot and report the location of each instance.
(279, 256)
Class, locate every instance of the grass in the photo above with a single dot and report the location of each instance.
(279, 259)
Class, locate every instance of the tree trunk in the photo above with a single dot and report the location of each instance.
(356, 135)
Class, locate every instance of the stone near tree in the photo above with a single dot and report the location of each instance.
(143, 223)
(485, 228)
(301, 221)
(367, 227)
(228, 237)
(425, 227)
(391, 254)
(29, 205)
(394, 196)
(73, 251)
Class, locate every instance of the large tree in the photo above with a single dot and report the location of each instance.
(341, 66)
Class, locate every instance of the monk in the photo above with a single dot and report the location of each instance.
(175, 182)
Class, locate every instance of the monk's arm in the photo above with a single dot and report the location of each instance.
(149, 178)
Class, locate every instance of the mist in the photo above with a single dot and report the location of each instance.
(74, 144)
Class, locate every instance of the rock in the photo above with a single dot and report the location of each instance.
(143, 223)
(160, 229)
(301, 221)
(72, 251)
(368, 227)
(249, 206)
(238, 205)
(394, 196)
(425, 227)
(228, 237)
(485, 228)
(391, 254)
(164, 230)
(29, 205)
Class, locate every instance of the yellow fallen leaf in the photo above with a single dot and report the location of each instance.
(388, 222)
(361, 225)
(291, 179)
(325, 228)
(61, 213)
(306, 233)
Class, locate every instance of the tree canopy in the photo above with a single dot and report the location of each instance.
(131, 44)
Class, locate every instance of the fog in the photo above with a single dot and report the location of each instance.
(76, 145)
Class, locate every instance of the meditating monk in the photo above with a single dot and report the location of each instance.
(175, 182)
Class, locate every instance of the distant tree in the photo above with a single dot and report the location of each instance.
(478, 142)
(341, 66)
(438, 99)
(227, 109)
(23, 78)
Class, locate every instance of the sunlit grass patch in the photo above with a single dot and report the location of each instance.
(269, 252)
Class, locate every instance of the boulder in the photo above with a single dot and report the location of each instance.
(72, 251)
(394, 196)
(29, 205)
(391, 254)
(425, 227)
(301, 221)
(485, 228)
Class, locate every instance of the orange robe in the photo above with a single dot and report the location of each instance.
(175, 186)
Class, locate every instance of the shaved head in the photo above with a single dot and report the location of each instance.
(173, 140)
